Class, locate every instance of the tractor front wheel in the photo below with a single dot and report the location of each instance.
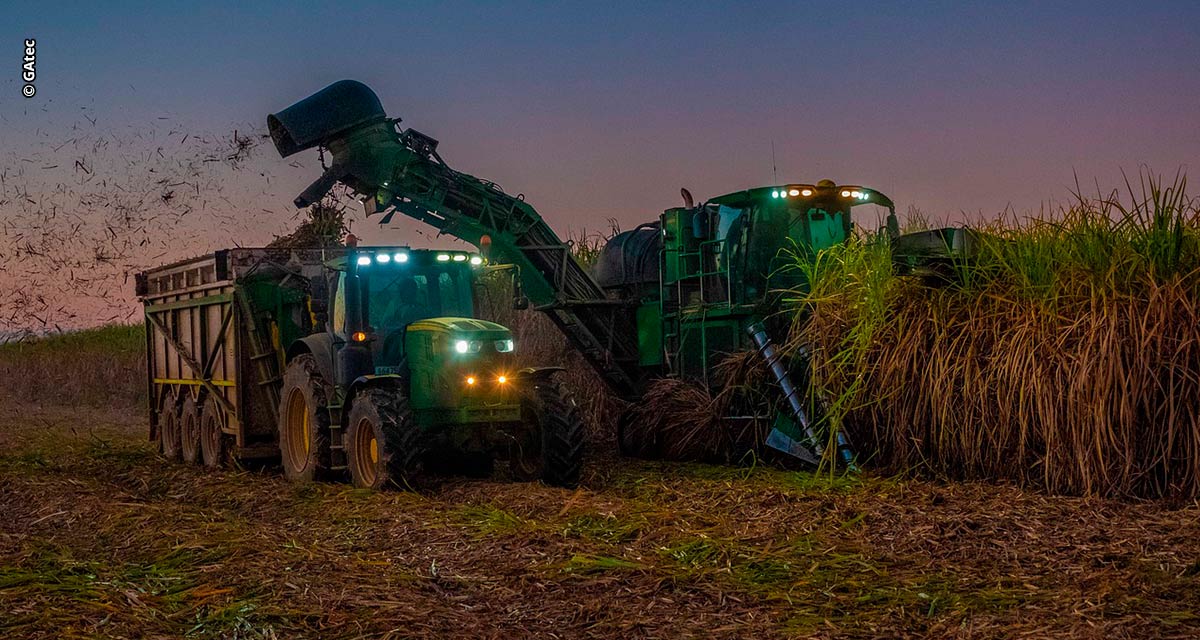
(303, 422)
(383, 444)
(556, 453)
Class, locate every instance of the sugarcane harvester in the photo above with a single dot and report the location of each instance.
(667, 298)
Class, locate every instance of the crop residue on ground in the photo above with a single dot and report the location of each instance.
(100, 536)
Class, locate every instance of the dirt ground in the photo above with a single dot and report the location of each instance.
(100, 537)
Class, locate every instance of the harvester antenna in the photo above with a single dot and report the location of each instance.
(774, 167)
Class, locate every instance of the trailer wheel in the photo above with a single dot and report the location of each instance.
(169, 429)
(557, 445)
(214, 444)
(189, 430)
(303, 422)
(383, 444)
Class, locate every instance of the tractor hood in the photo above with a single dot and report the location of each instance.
(466, 327)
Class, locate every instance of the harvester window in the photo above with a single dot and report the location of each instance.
(726, 216)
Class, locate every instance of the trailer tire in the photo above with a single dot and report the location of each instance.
(303, 421)
(384, 445)
(169, 428)
(550, 408)
(214, 444)
(189, 430)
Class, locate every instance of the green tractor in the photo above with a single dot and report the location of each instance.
(403, 378)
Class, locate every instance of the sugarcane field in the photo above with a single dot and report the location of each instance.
(783, 320)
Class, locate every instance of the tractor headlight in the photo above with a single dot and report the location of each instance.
(467, 346)
(504, 346)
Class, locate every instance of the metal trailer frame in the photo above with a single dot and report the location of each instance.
(206, 336)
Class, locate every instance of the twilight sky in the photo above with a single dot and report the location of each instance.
(603, 110)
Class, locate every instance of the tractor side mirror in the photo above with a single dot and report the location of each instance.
(520, 300)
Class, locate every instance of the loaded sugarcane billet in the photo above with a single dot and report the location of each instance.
(666, 299)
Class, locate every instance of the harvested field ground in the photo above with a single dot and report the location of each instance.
(100, 537)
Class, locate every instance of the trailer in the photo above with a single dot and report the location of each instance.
(216, 327)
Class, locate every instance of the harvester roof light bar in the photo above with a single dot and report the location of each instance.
(443, 257)
(476, 260)
(383, 257)
(808, 192)
(364, 261)
(458, 257)
(791, 192)
(401, 257)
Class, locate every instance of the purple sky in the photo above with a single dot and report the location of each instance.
(604, 111)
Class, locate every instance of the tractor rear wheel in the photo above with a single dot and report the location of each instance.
(303, 422)
(556, 453)
(189, 430)
(384, 445)
(169, 433)
(214, 444)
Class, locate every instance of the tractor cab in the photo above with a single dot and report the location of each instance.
(408, 313)
(397, 286)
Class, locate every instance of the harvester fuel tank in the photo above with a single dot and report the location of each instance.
(630, 259)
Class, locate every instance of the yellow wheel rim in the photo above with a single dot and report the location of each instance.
(366, 454)
(299, 428)
(307, 429)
